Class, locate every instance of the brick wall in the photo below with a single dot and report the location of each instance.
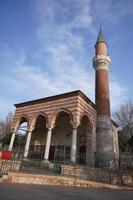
(76, 105)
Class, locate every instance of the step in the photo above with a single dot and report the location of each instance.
(26, 178)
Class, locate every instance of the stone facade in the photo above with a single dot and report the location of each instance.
(77, 106)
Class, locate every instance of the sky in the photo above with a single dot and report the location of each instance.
(47, 46)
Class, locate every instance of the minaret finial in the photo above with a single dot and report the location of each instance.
(101, 37)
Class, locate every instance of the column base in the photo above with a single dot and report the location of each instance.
(73, 163)
(45, 163)
(105, 143)
(26, 159)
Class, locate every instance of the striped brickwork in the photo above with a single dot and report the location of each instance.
(74, 105)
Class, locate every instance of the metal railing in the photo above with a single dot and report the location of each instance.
(108, 176)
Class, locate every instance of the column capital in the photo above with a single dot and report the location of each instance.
(14, 130)
(50, 126)
(75, 125)
(31, 128)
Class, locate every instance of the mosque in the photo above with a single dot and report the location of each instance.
(69, 127)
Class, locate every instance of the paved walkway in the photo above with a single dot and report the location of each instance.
(36, 192)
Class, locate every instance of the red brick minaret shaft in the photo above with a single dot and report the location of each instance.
(101, 62)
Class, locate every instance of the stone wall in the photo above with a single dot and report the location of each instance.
(126, 160)
(105, 176)
(7, 166)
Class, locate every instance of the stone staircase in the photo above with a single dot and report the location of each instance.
(26, 178)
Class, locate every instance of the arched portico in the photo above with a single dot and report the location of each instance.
(22, 119)
(61, 136)
(84, 134)
(54, 116)
(88, 118)
(35, 117)
(21, 125)
(38, 137)
(59, 139)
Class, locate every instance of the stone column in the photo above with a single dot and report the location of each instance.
(48, 141)
(74, 142)
(27, 146)
(12, 139)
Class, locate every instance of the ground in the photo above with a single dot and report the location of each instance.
(41, 192)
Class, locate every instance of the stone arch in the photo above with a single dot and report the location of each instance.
(34, 118)
(23, 118)
(86, 114)
(84, 139)
(61, 135)
(55, 114)
(38, 124)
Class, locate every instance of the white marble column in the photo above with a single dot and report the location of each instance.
(27, 146)
(48, 141)
(74, 142)
(12, 139)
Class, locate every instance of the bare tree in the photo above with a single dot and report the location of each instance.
(5, 132)
(124, 118)
(125, 115)
(5, 125)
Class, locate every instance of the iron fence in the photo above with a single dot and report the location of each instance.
(107, 176)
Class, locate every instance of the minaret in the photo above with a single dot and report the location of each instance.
(104, 134)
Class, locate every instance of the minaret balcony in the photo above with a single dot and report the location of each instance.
(101, 62)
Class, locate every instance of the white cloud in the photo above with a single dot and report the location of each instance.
(72, 70)
(111, 11)
(5, 107)
(63, 41)
(118, 93)
(29, 82)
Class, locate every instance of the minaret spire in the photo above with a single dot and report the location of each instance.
(101, 37)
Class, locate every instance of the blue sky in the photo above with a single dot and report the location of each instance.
(47, 46)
